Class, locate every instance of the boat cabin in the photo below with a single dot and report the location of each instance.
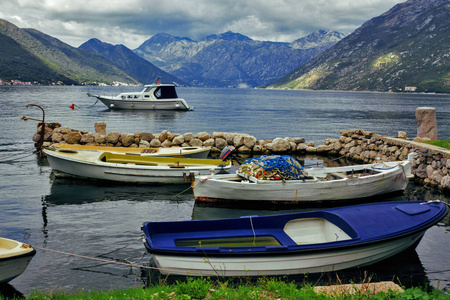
(163, 91)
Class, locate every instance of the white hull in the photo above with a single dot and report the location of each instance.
(14, 259)
(63, 165)
(232, 187)
(324, 261)
(10, 269)
(163, 104)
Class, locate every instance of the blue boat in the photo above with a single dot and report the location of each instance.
(297, 243)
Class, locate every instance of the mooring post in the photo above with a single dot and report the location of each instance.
(426, 123)
(41, 140)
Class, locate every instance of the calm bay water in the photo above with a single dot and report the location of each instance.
(94, 219)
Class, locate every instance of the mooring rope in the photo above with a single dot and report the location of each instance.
(109, 261)
(182, 192)
(17, 158)
(104, 254)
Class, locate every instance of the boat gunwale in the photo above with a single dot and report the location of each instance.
(271, 251)
(22, 255)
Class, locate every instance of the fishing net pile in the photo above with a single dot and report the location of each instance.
(272, 167)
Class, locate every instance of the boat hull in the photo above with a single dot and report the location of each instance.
(233, 188)
(163, 104)
(13, 259)
(271, 265)
(63, 165)
(304, 242)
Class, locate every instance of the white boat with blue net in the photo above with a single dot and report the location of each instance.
(130, 168)
(281, 179)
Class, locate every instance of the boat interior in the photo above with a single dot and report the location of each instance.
(349, 174)
(322, 176)
(303, 231)
(10, 248)
(174, 162)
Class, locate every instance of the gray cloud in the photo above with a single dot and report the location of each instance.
(132, 22)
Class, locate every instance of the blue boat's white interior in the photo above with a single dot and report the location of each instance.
(314, 231)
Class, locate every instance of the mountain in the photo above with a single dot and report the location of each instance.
(16, 63)
(406, 46)
(320, 40)
(229, 59)
(30, 55)
(128, 61)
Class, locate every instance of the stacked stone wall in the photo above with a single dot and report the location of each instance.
(430, 166)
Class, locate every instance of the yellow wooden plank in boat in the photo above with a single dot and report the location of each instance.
(119, 158)
(105, 148)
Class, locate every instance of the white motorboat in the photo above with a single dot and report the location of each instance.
(130, 168)
(14, 258)
(153, 96)
(318, 185)
(188, 152)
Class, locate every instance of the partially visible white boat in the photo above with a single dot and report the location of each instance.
(153, 96)
(320, 184)
(188, 152)
(130, 168)
(14, 258)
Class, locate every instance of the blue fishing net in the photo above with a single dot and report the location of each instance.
(284, 163)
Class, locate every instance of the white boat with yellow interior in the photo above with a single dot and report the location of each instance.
(130, 168)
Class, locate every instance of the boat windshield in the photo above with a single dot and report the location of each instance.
(166, 92)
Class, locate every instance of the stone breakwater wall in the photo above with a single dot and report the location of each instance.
(430, 166)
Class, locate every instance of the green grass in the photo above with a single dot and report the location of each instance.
(205, 288)
(440, 143)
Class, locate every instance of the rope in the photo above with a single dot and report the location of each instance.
(424, 151)
(253, 230)
(94, 103)
(109, 261)
(435, 201)
(16, 158)
(182, 192)
(104, 254)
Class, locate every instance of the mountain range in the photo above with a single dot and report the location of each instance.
(30, 55)
(125, 59)
(409, 45)
(228, 59)
(232, 59)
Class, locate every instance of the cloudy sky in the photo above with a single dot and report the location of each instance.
(131, 22)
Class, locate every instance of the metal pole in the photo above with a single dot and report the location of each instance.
(41, 141)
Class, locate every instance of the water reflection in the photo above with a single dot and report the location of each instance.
(70, 191)
(109, 215)
(7, 291)
(151, 115)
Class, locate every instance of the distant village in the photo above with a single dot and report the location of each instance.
(409, 89)
(19, 82)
